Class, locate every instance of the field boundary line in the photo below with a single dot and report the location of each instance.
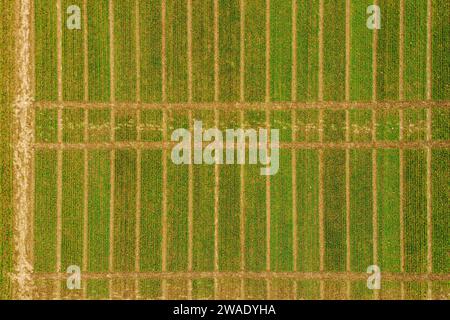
(347, 48)
(267, 57)
(242, 120)
(190, 167)
(85, 52)
(216, 52)
(33, 124)
(138, 151)
(328, 105)
(401, 49)
(59, 50)
(59, 181)
(340, 276)
(429, 154)
(164, 209)
(347, 139)
(85, 202)
(376, 292)
(242, 215)
(429, 207)
(138, 50)
(401, 71)
(111, 52)
(242, 52)
(216, 167)
(374, 60)
(189, 48)
(320, 58)
(216, 215)
(429, 54)
(321, 204)
(294, 51)
(112, 138)
(190, 215)
(294, 138)
(163, 53)
(22, 152)
(164, 153)
(85, 153)
(402, 204)
(32, 60)
(267, 111)
(374, 200)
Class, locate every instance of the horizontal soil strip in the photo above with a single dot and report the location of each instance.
(247, 105)
(352, 276)
(283, 145)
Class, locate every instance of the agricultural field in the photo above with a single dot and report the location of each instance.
(92, 90)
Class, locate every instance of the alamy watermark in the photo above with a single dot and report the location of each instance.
(374, 20)
(227, 147)
(73, 281)
(374, 280)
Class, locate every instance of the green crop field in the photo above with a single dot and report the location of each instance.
(87, 178)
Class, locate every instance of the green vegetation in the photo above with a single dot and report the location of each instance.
(6, 152)
(244, 202)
